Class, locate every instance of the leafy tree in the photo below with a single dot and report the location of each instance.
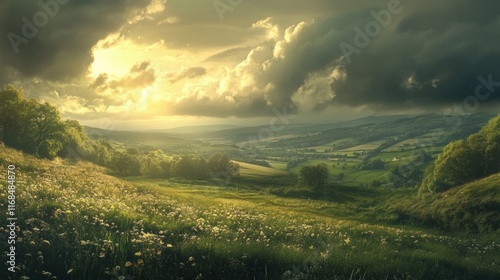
(406, 175)
(314, 175)
(151, 164)
(47, 130)
(376, 164)
(491, 146)
(200, 168)
(411, 174)
(102, 153)
(10, 99)
(183, 167)
(457, 164)
(37, 128)
(191, 167)
(127, 164)
(463, 161)
(30, 126)
(220, 163)
(76, 144)
(168, 168)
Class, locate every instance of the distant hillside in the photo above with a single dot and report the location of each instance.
(160, 139)
(243, 134)
(361, 121)
(401, 128)
(300, 135)
(197, 129)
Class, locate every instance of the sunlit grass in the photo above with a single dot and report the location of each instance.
(78, 223)
(247, 169)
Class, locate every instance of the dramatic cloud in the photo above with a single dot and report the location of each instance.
(428, 57)
(140, 76)
(187, 58)
(53, 39)
(414, 60)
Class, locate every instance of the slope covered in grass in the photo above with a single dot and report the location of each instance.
(75, 222)
(474, 207)
(261, 177)
(247, 169)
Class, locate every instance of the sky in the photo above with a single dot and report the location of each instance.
(154, 64)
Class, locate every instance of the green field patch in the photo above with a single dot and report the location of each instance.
(405, 156)
(365, 147)
(349, 168)
(277, 164)
(252, 170)
(336, 145)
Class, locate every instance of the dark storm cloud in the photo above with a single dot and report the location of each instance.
(435, 55)
(428, 55)
(441, 15)
(57, 41)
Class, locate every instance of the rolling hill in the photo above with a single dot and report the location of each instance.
(402, 129)
(105, 227)
(473, 207)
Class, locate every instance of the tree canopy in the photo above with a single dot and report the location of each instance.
(37, 128)
(33, 127)
(314, 175)
(463, 161)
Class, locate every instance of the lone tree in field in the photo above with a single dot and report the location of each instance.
(220, 163)
(314, 176)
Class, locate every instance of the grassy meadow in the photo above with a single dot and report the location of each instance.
(76, 222)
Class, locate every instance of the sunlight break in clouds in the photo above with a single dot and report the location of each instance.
(262, 55)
